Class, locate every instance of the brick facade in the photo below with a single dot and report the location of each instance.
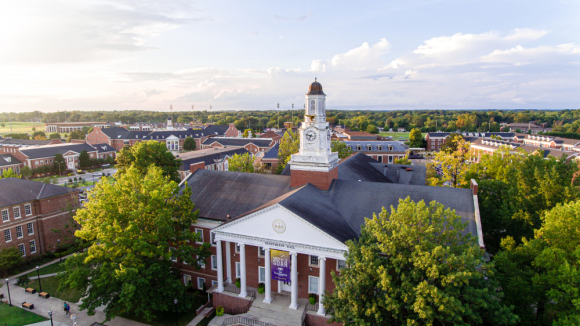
(313, 320)
(321, 180)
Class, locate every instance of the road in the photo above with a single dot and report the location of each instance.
(87, 176)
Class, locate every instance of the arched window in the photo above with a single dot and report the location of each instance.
(312, 106)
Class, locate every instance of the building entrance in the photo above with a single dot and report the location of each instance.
(286, 287)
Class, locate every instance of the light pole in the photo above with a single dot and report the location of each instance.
(38, 274)
(9, 298)
(175, 302)
(57, 246)
(50, 314)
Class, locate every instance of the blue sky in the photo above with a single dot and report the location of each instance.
(149, 54)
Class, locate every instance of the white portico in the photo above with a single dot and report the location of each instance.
(282, 230)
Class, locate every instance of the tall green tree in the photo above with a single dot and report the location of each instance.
(77, 134)
(54, 135)
(414, 265)
(189, 144)
(84, 160)
(135, 226)
(454, 165)
(26, 172)
(241, 163)
(290, 144)
(415, 138)
(145, 153)
(9, 258)
(59, 163)
(372, 129)
(341, 148)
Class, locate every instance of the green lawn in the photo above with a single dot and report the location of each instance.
(20, 127)
(14, 316)
(50, 285)
(28, 265)
(168, 318)
(54, 268)
(396, 135)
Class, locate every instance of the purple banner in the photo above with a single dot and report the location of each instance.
(280, 265)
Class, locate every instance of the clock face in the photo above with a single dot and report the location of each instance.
(310, 135)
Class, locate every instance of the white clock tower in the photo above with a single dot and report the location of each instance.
(314, 163)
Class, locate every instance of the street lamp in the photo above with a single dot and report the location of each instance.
(50, 314)
(175, 302)
(57, 246)
(38, 274)
(9, 298)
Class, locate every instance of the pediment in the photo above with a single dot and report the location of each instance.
(277, 223)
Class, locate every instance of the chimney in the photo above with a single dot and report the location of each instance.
(474, 187)
(196, 166)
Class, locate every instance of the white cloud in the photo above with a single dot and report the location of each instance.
(364, 57)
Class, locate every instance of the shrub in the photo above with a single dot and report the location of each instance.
(261, 288)
(22, 280)
(70, 180)
(312, 298)
(75, 179)
(219, 311)
(9, 258)
(70, 174)
(238, 282)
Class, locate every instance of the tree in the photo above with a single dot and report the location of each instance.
(541, 277)
(39, 137)
(341, 148)
(247, 133)
(453, 166)
(403, 160)
(84, 160)
(372, 129)
(189, 144)
(38, 133)
(241, 163)
(2, 125)
(289, 144)
(77, 134)
(26, 172)
(10, 174)
(450, 143)
(135, 226)
(9, 258)
(415, 138)
(416, 266)
(145, 153)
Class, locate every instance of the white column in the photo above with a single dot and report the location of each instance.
(321, 282)
(268, 289)
(228, 263)
(220, 266)
(243, 290)
(294, 281)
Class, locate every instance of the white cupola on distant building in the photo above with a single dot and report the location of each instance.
(314, 163)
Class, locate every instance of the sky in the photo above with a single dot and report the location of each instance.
(242, 55)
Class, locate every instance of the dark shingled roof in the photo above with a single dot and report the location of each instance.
(240, 142)
(273, 152)
(220, 193)
(397, 173)
(51, 150)
(115, 132)
(210, 157)
(102, 148)
(357, 167)
(357, 200)
(8, 159)
(15, 191)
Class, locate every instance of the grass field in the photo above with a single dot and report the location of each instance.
(54, 268)
(20, 127)
(50, 285)
(396, 135)
(14, 316)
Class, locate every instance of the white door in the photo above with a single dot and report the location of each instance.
(286, 287)
(70, 163)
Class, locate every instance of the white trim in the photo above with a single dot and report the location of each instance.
(29, 207)
(337, 261)
(21, 232)
(196, 230)
(7, 215)
(14, 212)
(28, 230)
(260, 280)
(173, 258)
(212, 261)
(9, 235)
(185, 279)
(198, 279)
(238, 268)
(310, 261)
(32, 244)
(478, 219)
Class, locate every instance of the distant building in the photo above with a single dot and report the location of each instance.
(525, 127)
(8, 161)
(435, 140)
(208, 159)
(269, 159)
(253, 145)
(382, 151)
(68, 127)
(31, 212)
(489, 146)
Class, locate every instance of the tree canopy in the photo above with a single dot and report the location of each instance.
(341, 148)
(415, 138)
(452, 166)
(135, 226)
(289, 144)
(144, 153)
(414, 265)
(84, 160)
(241, 163)
(189, 144)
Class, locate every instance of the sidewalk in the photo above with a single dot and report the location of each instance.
(42, 305)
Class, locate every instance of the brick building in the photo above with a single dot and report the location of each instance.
(8, 161)
(489, 146)
(435, 140)
(382, 151)
(68, 127)
(253, 145)
(289, 231)
(208, 159)
(31, 211)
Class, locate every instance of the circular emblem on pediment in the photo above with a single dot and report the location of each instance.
(279, 226)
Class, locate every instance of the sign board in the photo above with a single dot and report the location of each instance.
(280, 265)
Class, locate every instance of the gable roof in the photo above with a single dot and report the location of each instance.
(272, 153)
(116, 132)
(209, 156)
(17, 191)
(357, 167)
(399, 173)
(8, 159)
(102, 148)
(51, 150)
(240, 142)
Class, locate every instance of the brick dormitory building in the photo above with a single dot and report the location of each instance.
(289, 231)
(31, 212)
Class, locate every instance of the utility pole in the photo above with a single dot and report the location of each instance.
(278, 117)
(292, 114)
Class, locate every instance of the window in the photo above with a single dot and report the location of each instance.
(390, 159)
(390, 148)
(261, 252)
(314, 261)
(214, 263)
(200, 235)
(7, 235)
(237, 248)
(226, 165)
(16, 212)
(312, 284)
(212, 236)
(238, 270)
(173, 258)
(358, 147)
(381, 148)
(5, 217)
(214, 283)
(22, 249)
(186, 279)
(340, 264)
(30, 228)
(200, 283)
(262, 274)
(19, 232)
(202, 263)
(28, 209)
(348, 146)
(369, 147)
(32, 246)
